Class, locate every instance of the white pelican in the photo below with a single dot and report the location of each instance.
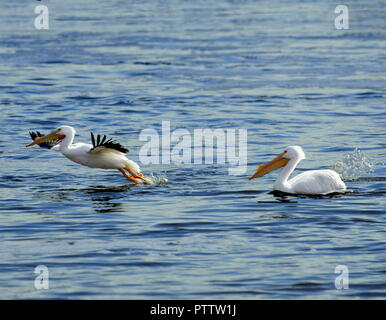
(103, 153)
(313, 182)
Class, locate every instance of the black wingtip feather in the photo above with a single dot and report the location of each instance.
(92, 139)
(107, 143)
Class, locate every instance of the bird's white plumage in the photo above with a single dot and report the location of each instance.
(313, 182)
(99, 157)
(102, 153)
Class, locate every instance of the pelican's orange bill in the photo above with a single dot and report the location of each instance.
(54, 135)
(274, 164)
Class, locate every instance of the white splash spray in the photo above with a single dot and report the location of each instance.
(156, 180)
(353, 165)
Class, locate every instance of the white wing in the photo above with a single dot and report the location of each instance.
(317, 182)
(100, 157)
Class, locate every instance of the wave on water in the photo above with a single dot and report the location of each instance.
(353, 165)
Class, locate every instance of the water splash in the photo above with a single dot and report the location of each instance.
(156, 180)
(353, 165)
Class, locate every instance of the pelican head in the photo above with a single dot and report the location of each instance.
(57, 135)
(291, 152)
(294, 152)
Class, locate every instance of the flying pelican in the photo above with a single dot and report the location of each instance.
(103, 153)
(313, 182)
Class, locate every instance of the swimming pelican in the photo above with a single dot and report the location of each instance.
(103, 153)
(313, 182)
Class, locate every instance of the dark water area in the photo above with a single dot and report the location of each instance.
(278, 69)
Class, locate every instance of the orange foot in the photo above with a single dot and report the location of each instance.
(131, 178)
(138, 175)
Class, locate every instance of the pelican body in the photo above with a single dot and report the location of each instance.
(313, 182)
(102, 153)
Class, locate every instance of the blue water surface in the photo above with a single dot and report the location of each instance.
(278, 69)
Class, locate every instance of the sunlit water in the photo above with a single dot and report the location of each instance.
(278, 69)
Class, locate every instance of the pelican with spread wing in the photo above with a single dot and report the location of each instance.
(103, 153)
